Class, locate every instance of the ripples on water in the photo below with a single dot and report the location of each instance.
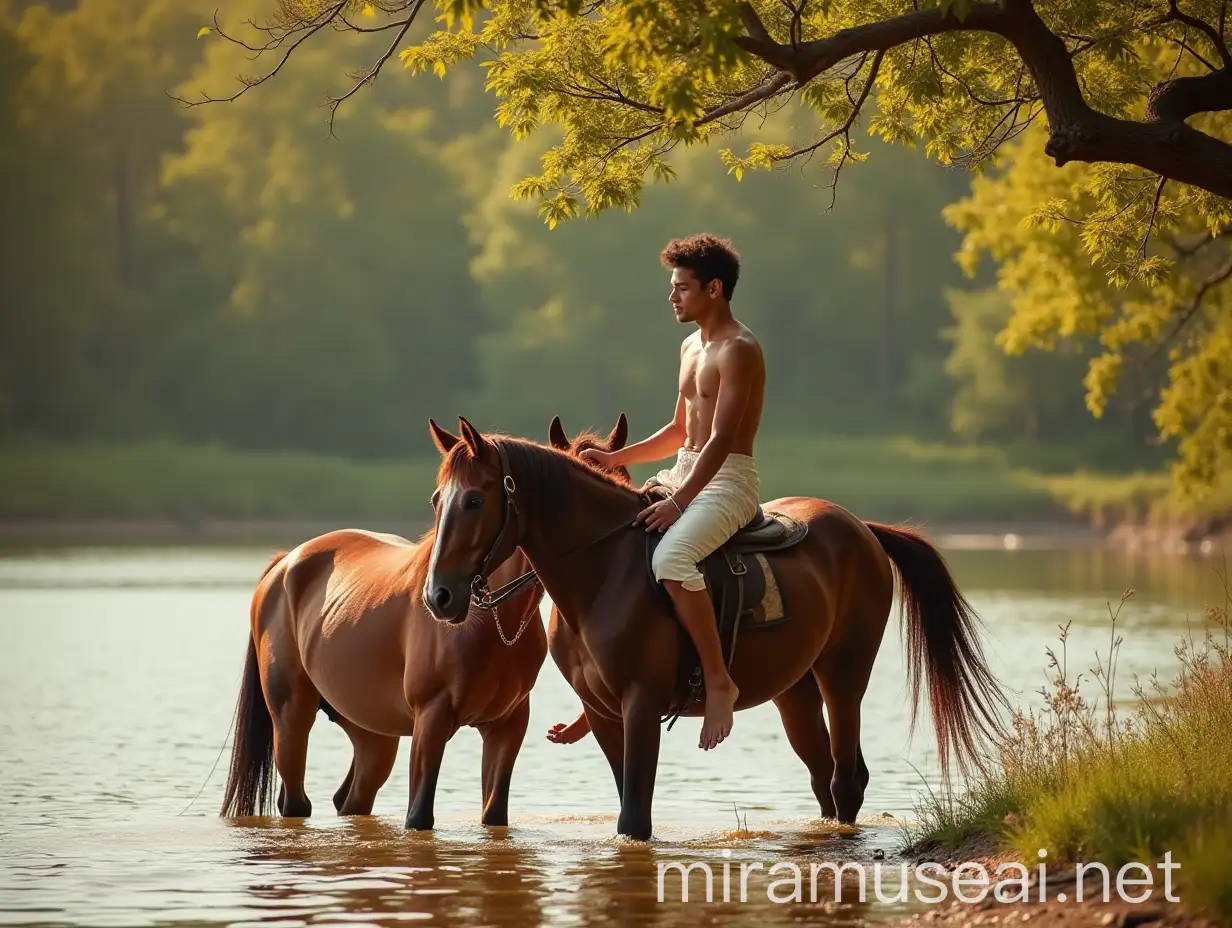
(118, 676)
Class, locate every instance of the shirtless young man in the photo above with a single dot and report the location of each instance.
(714, 484)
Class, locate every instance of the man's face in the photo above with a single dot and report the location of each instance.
(690, 298)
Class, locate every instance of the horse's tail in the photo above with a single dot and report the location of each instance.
(250, 782)
(942, 642)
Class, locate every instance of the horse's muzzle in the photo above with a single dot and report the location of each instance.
(445, 605)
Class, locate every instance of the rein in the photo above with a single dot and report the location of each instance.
(487, 599)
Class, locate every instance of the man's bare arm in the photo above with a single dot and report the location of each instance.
(737, 365)
(663, 443)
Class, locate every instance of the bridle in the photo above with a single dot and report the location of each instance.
(481, 596)
(487, 599)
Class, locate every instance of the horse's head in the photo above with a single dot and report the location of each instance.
(584, 440)
(476, 522)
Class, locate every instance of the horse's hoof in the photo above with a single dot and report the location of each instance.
(296, 809)
(419, 824)
(640, 831)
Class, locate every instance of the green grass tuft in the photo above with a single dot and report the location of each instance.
(1094, 781)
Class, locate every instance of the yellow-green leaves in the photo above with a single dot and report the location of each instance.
(204, 31)
(760, 157)
(558, 208)
(440, 52)
(460, 12)
(1076, 259)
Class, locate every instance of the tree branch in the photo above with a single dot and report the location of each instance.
(1177, 99)
(1215, 35)
(806, 60)
(370, 75)
(855, 111)
(1222, 273)
(768, 88)
(309, 28)
(1162, 144)
(1150, 223)
(1184, 252)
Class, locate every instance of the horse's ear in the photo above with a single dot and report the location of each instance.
(620, 434)
(557, 436)
(444, 441)
(472, 437)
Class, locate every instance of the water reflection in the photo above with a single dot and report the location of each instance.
(373, 871)
(369, 870)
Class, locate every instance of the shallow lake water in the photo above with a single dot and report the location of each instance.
(119, 669)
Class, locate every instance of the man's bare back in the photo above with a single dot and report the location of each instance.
(735, 353)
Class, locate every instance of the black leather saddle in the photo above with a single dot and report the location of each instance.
(736, 582)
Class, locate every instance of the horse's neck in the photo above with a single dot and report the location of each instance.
(564, 544)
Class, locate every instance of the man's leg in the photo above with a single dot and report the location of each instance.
(705, 525)
(696, 614)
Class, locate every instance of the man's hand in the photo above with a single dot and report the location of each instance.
(658, 516)
(597, 457)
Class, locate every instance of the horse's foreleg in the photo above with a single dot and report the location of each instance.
(641, 762)
(502, 740)
(804, 722)
(434, 726)
(611, 737)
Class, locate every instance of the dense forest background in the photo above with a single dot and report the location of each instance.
(230, 274)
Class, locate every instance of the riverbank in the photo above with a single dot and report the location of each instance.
(163, 491)
(1086, 780)
(1063, 908)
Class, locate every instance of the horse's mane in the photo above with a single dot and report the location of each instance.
(417, 566)
(542, 470)
(587, 439)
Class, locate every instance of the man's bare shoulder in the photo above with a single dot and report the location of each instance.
(742, 348)
(741, 357)
(690, 340)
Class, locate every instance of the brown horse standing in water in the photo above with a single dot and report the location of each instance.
(338, 624)
(800, 706)
(575, 526)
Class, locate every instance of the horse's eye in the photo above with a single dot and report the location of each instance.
(473, 501)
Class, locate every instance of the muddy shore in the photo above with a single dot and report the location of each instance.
(1063, 903)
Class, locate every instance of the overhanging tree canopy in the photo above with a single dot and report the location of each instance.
(1128, 96)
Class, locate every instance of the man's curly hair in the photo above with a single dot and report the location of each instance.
(708, 257)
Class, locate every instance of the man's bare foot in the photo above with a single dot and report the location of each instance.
(720, 708)
(560, 733)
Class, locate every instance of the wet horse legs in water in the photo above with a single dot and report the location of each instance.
(293, 710)
(643, 731)
(804, 723)
(843, 678)
(371, 765)
(611, 737)
(434, 726)
(502, 740)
